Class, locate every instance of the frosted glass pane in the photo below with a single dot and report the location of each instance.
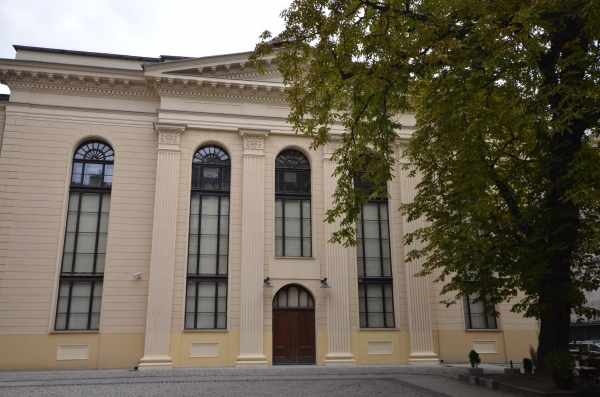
(90, 202)
(221, 320)
(307, 248)
(376, 320)
(478, 321)
(210, 205)
(206, 290)
(102, 243)
(385, 245)
(86, 243)
(306, 209)
(206, 320)
(292, 208)
(100, 260)
(192, 264)
(303, 299)
(383, 211)
(361, 305)
(223, 245)
(61, 321)
(67, 263)
(88, 222)
(224, 226)
(361, 266)
(194, 219)
(387, 290)
(373, 268)
(195, 205)
(375, 305)
(78, 320)
(106, 203)
(193, 245)
(71, 221)
(206, 304)
(363, 320)
(372, 248)
(293, 297)
(387, 268)
(282, 298)
(74, 202)
(292, 247)
(278, 207)
(385, 232)
(358, 225)
(77, 173)
(278, 246)
(208, 244)
(103, 223)
(221, 305)
(223, 265)
(208, 264)
(292, 227)
(374, 291)
(189, 320)
(371, 229)
(209, 224)
(306, 227)
(69, 242)
(222, 290)
(369, 212)
(278, 227)
(84, 263)
(224, 206)
(389, 318)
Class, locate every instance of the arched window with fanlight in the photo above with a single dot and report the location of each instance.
(292, 205)
(375, 282)
(84, 251)
(208, 247)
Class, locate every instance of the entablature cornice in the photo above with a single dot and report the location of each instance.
(219, 88)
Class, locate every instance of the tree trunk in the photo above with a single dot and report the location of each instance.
(554, 334)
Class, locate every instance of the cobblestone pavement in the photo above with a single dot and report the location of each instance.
(363, 380)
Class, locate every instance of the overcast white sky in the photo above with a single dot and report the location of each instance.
(138, 27)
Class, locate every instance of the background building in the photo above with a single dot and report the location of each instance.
(185, 170)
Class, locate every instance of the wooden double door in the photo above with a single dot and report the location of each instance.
(294, 336)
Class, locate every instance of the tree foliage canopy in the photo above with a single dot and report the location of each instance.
(506, 95)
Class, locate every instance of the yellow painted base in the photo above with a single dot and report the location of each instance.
(39, 352)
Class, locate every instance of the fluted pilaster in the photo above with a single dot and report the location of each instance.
(253, 257)
(338, 308)
(160, 293)
(419, 313)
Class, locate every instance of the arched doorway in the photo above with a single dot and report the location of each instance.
(293, 326)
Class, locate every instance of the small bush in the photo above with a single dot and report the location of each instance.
(560, 363)
(533, 355)
(527, 364)
(474, 358)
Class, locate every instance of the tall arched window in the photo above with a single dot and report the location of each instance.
(375, 283)
(84, 252)
(207, 270)
(292, 205)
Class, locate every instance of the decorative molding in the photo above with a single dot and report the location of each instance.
(331, 146)
(485, 346)
(380, 347)
(254, 140)
(169, 135)
(401, 146)
(72, 352)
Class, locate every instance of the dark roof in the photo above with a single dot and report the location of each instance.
(168, 58)
(89, 54)
(4, 97)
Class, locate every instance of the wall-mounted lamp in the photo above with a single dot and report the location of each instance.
(324, 283)
(137, 275)
(267, 283)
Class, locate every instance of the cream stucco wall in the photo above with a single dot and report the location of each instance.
(47, 118)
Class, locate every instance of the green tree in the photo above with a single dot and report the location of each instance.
(506, 97)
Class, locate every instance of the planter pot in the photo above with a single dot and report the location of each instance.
(475, 371)
(563, 383)
(527, 370)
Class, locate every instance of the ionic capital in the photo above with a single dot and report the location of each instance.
(254, 140)
(169, 135)
(401, 147)
(330, 147)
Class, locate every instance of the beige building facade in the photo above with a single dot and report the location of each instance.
(161, 211)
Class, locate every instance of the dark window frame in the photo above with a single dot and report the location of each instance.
(381, 279)
(89, 152)
(214, 157)
(468, 314)
(293, 161)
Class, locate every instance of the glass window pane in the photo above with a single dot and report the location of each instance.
(278, 208)
(282, 298)
(292, 227)
(84, 263)
(370, 212)
(206, 320)
(292, 246)
(108, 175)
(371, 229)
(293, 297)
(292, 209)
(303, 299)
(77, 173)
(306, 248)
(278, 227)
(222, 320)
(376, 320)
(383, 211)
(106, 203)
(100, 260)
(102, 237)
(92, 175)
(278, 246)
(90, 202)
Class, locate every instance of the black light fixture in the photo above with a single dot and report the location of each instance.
(267, 283)
(324, 283)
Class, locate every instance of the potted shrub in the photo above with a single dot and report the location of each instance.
(560, 365)
(475, 361)
(527, 365)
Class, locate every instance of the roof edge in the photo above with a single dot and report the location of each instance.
(89, 54)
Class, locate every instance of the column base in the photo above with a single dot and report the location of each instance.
(424, 358)
(155, 363)
(340, 359)
(257, 360)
